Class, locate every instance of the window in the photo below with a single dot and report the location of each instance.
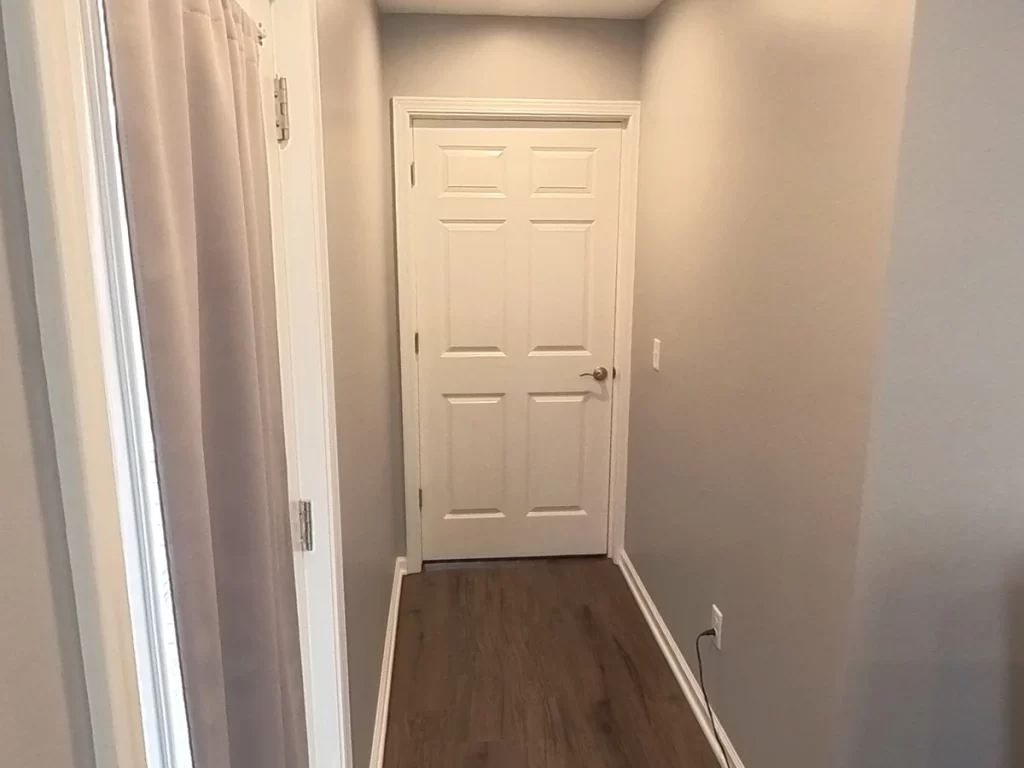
(154, 632)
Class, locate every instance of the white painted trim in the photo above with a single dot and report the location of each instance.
(158, 660)
(295, 39)
(327, 356)
(628, 185)
(46, 47)
(677, 662)
(380, 724)
(515, 109)
(407, 302)
(626, 113)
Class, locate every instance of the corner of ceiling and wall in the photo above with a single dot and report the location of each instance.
(578, 9)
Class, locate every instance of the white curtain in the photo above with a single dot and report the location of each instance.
(189, 117)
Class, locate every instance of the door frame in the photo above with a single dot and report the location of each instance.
(304, 323)
(405, 110)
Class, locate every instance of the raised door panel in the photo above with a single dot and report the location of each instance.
(559, 306)
(557, 454)
(474, 286)
(475, 449)
(473, 171)
(563, 171)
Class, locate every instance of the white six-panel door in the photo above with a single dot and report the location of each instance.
(515, 231)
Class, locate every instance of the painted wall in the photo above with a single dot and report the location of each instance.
(937, 678)
(768, 169)
(44, 715)
(503, 57)
(365, 331)
(364, 61)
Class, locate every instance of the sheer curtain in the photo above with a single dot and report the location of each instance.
(187, 92)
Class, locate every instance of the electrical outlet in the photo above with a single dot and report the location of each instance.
(656, 355)
(716, 624)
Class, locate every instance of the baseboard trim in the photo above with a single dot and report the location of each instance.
(677, 662)
(380, 725)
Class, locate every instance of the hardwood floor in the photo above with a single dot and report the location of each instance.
(533, 664)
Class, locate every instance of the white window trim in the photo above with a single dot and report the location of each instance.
(155, 634)
(85, 297)
(46, 49)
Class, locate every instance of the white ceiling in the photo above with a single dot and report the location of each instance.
(594, 9)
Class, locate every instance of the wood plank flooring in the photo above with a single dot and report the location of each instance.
(533, 664)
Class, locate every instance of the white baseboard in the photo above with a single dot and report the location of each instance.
(380, 725)
(687, 682)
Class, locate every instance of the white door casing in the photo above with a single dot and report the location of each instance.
(303, 314)
(516, 229)
(321, 597)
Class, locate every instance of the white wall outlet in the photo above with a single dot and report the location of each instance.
(656, 355)
(716, 624)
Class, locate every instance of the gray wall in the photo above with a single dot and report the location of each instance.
(364, 331)
(938, 672)
(363, 62)
(44, 717)
(502, 57)
(768, 170)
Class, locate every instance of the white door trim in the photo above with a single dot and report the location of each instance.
(305, 275)
(404, 111)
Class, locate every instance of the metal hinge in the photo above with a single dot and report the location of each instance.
(421, 498)
(281, 117)
(412, 173)
(416, 342)
(306, 526)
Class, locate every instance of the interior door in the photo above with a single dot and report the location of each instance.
(515, 237)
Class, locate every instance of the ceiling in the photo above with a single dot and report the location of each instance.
(594, 9)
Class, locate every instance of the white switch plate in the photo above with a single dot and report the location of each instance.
(716, 624)
(656, 356)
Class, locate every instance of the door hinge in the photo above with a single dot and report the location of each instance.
(281, 116)
(416, 342)
(412, 174)
(421, 498)
(306, 526)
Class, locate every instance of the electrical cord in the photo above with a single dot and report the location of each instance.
(707, 702)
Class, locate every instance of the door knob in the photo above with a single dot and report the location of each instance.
(599, 374)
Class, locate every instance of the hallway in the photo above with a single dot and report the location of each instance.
(539, 664)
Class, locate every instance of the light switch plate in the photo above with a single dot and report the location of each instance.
(656, 355)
